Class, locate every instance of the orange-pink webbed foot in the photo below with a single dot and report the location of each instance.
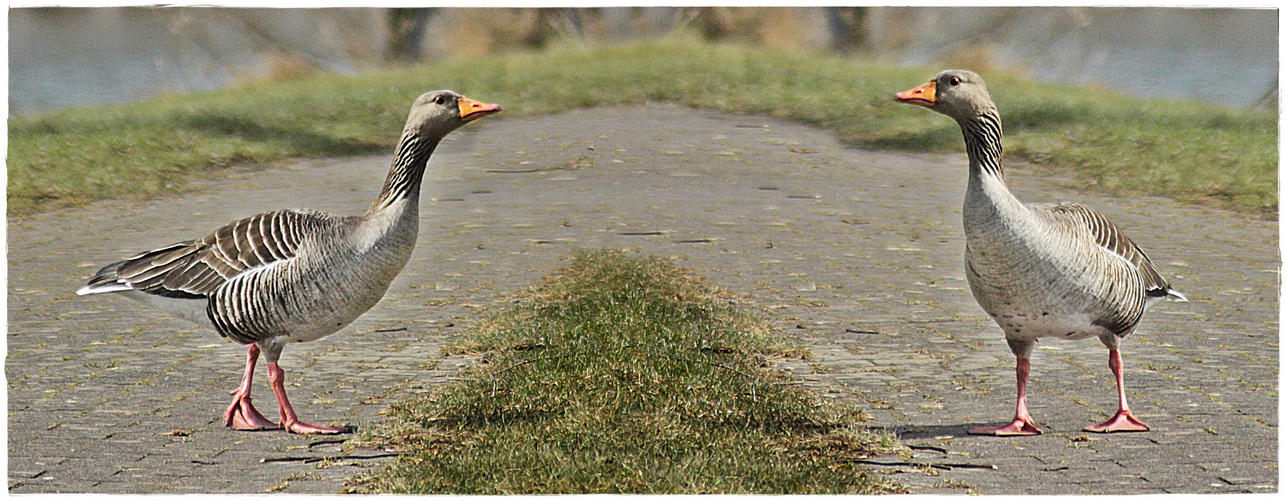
(1123, 421)
(298, 427)
(243, 416)
(1019, 427)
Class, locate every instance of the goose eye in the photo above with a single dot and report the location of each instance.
(437, 99)
(954, 81)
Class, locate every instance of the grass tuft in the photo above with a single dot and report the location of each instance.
(624, 374)
(1105, 141)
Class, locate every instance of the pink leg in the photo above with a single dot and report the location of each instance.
(1124, 420)
(288, 418)
(242, 415)
(1022, 424)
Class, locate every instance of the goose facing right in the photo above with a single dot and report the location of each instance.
(294, 275)
(1039, 270)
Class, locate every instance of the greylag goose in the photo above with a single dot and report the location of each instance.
(294, 275)
(1040, 270)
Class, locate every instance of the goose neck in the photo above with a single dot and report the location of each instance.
(982, 134)
(987, 197)
(406, 174)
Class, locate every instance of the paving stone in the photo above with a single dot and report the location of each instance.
(856, 254)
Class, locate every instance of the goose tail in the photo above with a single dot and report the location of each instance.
(105, 281)
(1159, 294)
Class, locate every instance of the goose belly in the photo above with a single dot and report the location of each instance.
(1032, 297)
(323, 320)
(304, 301)
(1026, 325)
(351, 295)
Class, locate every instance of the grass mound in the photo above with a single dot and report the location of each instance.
(623, 374)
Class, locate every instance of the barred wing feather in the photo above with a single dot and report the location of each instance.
(1112, 239)
(197, 268)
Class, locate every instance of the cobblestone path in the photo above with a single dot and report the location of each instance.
(858, 254)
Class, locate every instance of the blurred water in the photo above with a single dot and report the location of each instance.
(61, 57)
(1221, 56)
(75, 57)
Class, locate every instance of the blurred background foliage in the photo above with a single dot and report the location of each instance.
(133, 102)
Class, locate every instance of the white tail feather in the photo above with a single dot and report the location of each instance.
(104, 288)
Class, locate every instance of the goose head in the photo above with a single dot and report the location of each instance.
(957, 93)
(435, 114)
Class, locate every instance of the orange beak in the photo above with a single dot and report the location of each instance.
(471, 110)
(924, 95)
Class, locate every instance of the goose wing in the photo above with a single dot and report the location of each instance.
(196, 268)
(1113, 240)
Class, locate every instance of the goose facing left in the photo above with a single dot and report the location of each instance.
(294, 275)
(1041, 271)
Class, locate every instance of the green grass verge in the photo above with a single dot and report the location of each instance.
(1109, 142)
(623, 374)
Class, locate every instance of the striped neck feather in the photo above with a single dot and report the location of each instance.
(982, 135)
(406, 174)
